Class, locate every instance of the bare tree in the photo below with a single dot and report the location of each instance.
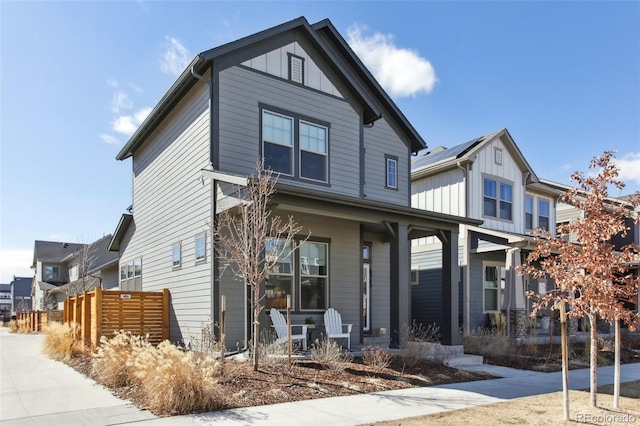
(591, 276)
(85, 261)
(243, 233)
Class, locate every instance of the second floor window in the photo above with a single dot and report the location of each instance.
(528, 212)
(392, 172)
(498, 199)
(176, 255)
(201, 249)
(51, 273)
(543, 214)
(295, 146)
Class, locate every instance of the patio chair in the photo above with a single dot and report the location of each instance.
(280, 325)
(334, 327)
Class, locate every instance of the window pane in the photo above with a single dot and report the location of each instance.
(123, 272)
(528, 219)
(277, 289)
(543, 222)
(489, 207)
(313, 138)
(312, 293)
(176, 255)
(505, 192)
(137, 267)
(130, 270)
(490, 188)
(200, 247)
(276, 128)
(313, 166)
(543, 208)
(277, 158)
(528, 204)
(505, 210)
(392, 171)
(313, 259)
(490, 299)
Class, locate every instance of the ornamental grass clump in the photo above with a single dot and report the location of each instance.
(376, 357)
(330, 355)
(112, 363)
(61, 341)
(173, 382)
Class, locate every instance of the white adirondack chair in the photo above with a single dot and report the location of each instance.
(280, 324)
(334, 327)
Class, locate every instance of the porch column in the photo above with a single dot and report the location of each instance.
(450, 283)
(400, 300)
(515, 300)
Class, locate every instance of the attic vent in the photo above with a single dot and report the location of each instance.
(296, 69)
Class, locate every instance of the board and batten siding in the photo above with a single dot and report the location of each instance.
(380, 141)
(442, 193)
(508, 172)
(276, 63)
(172, 204)
(241, 92)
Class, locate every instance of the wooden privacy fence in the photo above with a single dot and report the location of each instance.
(101, 313)
(33, 321)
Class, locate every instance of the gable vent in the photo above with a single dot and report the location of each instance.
(296, 72)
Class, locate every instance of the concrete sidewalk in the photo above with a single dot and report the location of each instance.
(36, 390)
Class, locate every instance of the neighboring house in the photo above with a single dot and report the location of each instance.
(20, 294)
(66, 269)
(566, 213)
(297, 96)
(51, 272)
(5, 302)
(487, 179)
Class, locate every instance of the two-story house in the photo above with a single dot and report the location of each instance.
(488, 179)
(51, 271)
(5, 302)
(297, 97)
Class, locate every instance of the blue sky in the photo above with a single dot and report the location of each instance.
(77, 78)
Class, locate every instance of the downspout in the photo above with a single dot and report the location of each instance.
(215, 284)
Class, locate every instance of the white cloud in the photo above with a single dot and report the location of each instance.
(15, 262)
(120, 101)
(127, 124)
(175, 58)
(108, 139)
(629, 168)
(113, 83)
(402, 72)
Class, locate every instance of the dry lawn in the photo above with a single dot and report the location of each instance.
(542, 410)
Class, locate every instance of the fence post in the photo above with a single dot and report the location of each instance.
(86, 317)
(97, 320)
(165, 314)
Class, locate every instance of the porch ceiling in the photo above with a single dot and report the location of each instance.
(372, 214)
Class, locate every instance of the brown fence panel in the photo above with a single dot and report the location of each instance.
(101, 313)
(35, 321)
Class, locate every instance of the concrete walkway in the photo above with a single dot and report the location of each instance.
(36, 390)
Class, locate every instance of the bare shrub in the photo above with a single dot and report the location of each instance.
(488, 342)
(173, 382)
(330, 355)
(61, 342)
(424, 333)
(272, 354)
(376, 357)
(113, 362)
(412, 353)
(13, 326)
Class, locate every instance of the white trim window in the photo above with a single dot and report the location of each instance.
(313, 151)
(493, 285)
(131, 275)
(314, 275)
(391, 180)
(280, 282)
(277, 142)
(528, 212)
(543, 213)
(201, 248)
(176, 255)
(498, 204)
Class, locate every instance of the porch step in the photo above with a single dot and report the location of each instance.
(463, 360)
